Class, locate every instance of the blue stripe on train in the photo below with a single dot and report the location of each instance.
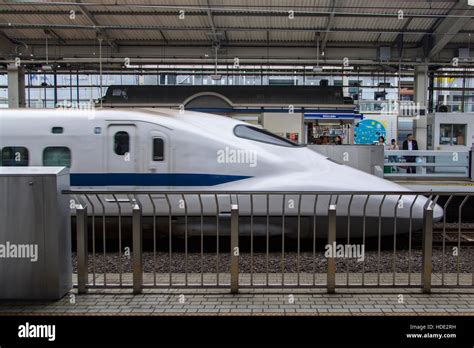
(151, 179)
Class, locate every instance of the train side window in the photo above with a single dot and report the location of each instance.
(262, 135)
(14, 156)
(158, 149)
(116, 92)
(121, 143)
(57, 130)
(57, 156)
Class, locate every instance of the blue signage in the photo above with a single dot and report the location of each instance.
(333, 115)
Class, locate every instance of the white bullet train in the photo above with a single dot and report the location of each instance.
(170, 150)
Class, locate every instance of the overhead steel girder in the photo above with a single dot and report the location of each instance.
(247, 55)
(449, 27)
(6, 46)
(101, 28)
(96, 26)
(329, 24)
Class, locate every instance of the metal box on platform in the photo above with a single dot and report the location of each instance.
(35, 233)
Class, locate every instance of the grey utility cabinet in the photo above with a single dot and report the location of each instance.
(34, 214)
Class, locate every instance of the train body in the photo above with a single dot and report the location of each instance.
(172, 150)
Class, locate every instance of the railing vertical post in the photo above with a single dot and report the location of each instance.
(423, 168)
(331, 275)
(427, 266)
(81, 235)
(471, 164)
(234, 242)
(137, 249)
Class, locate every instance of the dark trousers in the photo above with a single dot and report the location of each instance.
(411, 170)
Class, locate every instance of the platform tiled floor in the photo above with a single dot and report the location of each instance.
(267, 301)
(289, 279)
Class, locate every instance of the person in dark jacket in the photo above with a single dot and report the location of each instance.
(410, 144)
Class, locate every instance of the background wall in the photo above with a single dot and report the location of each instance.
(282, 123)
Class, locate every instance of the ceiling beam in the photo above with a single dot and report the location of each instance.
(215, 35)
(53, 34)
(165, 39)
(399, 40)
(187, 53)
(7, 47)
(101, 28)
(404, 29)
(450, 26)
(329, 25)
(100, 32)
(204, 43)
(216, 12)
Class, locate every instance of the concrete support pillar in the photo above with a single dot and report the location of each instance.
(345, 82)
(421, 99)
(16, 87)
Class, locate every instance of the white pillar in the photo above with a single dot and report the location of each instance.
(421, 99)
(16, 87)
(345, 82)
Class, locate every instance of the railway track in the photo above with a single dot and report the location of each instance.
(450, 234)
(453, 236)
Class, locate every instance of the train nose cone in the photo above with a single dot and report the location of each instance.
(437, 213)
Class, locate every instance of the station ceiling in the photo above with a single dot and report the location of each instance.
(258, 31)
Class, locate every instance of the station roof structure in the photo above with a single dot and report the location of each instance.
(262, 31)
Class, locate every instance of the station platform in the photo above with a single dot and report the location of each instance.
(259, 301)
(437, 185)
(348, 302)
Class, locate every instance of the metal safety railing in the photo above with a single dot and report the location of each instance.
(427, 163)
(236, 240)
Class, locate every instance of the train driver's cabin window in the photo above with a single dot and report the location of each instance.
(14, 156)
(57, 156)
(158, 149)
(121, 143)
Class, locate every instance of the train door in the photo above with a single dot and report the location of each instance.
(122, 149)
(158, 159)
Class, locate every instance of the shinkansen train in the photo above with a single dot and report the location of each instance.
(174, 151)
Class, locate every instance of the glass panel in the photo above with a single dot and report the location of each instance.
(57, 156)
(261, 135)
(121, 143)
(459, 134)
(158, 149)
(14, 156)
(445, 134)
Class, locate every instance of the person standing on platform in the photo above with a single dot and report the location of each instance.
(393, 147)
(410, 144)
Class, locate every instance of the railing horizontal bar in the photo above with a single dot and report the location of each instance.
(276, 286)
(414, 164)
(305, 193)
(428, 175)
(424, 153)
